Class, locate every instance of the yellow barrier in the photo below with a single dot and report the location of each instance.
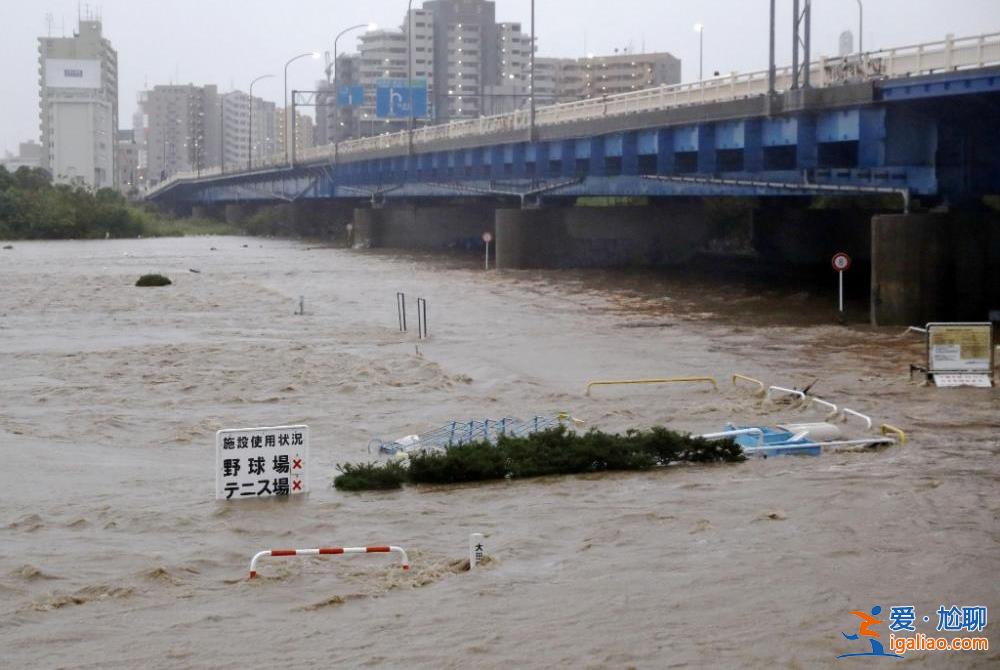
(671, 380)
(759, 383)
(885, 429)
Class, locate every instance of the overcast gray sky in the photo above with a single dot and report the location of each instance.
(228, 42)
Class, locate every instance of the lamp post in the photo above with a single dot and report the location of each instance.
(409, 75)
(531, 80)
(222, 134)
(700, 29)
(861, 28)
(250, 122)
(315, 55)
(336, 88)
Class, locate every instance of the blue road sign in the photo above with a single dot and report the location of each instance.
(351, 96)
(392, 99)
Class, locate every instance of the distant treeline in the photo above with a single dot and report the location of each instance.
(33, 208)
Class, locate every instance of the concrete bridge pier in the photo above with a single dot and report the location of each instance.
(934, 267)
(423, 227)
(573, 237)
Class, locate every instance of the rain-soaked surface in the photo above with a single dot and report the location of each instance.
(113, 552)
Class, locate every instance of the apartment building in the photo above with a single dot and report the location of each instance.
(78, 106)
(180, 129)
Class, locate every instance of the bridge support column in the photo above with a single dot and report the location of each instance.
(412, 227)
(934, 267)
(656, 234)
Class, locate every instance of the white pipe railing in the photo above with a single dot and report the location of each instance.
(907, 61)
(329, 551)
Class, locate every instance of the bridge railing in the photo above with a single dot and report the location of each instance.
(919, 59)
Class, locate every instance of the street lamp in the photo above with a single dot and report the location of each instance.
(314, 55)
(336, 91)
(861, 28)
(250, 122)
(409, 74)
(700, 29)
(531, 79)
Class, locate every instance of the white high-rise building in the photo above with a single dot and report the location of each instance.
(237, 145)
(78, 106)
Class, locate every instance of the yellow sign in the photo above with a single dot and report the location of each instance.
(960, 347)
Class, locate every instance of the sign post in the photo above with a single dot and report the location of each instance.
(841, 263)
(960, 354)
(261, 462)
(487, 238)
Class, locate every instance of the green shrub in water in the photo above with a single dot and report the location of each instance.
(552, 452)
(370, 476)
(153, 280)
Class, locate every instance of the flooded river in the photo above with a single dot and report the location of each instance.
(113, 552)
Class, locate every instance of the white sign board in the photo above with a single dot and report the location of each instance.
(960, 347)
(261, 462)
(957, 380)
(65, 73)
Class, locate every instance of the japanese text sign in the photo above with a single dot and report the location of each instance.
(960, 347)
(261, 462)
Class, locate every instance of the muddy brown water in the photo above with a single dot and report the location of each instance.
(113, 552)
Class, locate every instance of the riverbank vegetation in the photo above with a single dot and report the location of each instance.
(33, 208)
(552, 452)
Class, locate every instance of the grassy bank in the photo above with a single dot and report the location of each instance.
(553, 452)
(33, 208)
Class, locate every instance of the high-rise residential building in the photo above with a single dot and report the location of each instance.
(474, 66)
(305, 131)
(325, 112)
(235, 120)
(127, 162)
(382, 55)
(78, 106)
(623, 73)
(845, 45)
(180, 129)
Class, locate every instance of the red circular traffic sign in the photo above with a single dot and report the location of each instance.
(841, 262)
(487, 237)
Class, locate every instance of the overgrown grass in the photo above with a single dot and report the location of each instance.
(153, 280)
(153, 225)
(552, 452)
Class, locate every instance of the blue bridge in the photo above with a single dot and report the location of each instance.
(905, 130)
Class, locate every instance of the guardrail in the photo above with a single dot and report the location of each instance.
(670, 380)
(907, 61)
(328, 551)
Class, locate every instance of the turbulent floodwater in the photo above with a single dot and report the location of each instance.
(113, 552)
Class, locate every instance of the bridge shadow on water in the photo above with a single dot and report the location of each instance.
(741, 289)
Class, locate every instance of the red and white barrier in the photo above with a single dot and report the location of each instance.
(328, 551)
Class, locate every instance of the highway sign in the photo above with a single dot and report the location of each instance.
(351, 96)
(392, 98)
